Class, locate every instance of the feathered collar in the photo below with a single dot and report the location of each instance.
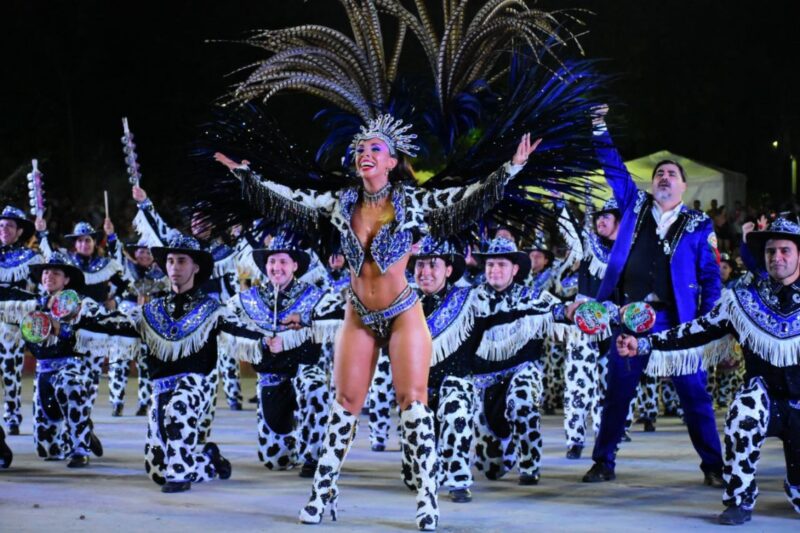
(597, 251)
(450, 320)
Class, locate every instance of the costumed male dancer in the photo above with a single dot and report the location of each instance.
(181, 331)
(221, 284)
(665, 255)
(16, 258)
(147, 281)
(63, 382)
(507, 372)
(293, 390)
(763, 316)
(102, 275)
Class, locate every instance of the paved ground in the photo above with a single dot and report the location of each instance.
(658, 489)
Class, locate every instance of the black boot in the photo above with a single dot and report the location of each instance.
(598, 473)
(117, 411)
(713, 479)
(171, 487)
(78, 461)
(221, 465)
(308, 469)
(13, 429)
(460, 496)
(142, 410)
(735, 515)
(5, 452)
(574, 451)
(95, 445)
(649, 426)
(529, 479)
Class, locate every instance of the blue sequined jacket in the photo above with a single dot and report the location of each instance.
(693, 260)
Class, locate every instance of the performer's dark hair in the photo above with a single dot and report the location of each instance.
(403, 171)
(669, 162)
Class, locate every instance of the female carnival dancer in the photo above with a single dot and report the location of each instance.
(378, 220)
(377, 234)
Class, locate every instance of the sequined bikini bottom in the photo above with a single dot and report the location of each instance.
(380, 321)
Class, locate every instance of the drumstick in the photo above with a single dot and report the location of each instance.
(275, 313)
(105, 197)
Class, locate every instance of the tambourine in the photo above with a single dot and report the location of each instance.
(638, 317)
(35, 327)
(65, 304)
(591, 317)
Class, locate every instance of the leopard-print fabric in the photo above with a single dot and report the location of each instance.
(171, 449)
(62, 411)
(11, 361)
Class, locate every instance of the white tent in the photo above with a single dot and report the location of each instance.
(704, 182)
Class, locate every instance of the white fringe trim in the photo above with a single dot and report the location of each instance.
(324, 331)
(13, 311)
(451, 339)
(149, 236)
(19, 272)
(504, 341)
(292, 338)
(118, 348)
(240, 348)
(104, 274)
(596, 267)
(775, 351)
(167, 350)
(316, 276)
(224, 266)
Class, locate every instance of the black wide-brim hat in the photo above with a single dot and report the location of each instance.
(430, 247)
(186, 246)
(506, 249)
(300, 257)
(781, 228)
(58, 261)
(131, 247)
(17, 215)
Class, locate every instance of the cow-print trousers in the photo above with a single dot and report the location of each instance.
(555, 352)
(62, 410)
(752, 418)
(95, 362)
(647, 398)
(11, 361)
(381, 399)
(583, 388)
(118, 374)
(453, 404)
(292, 416)
(171, 450)
(508, 423)
(228, 368)
(669, 397)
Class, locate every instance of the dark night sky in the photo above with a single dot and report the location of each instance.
(714, 80)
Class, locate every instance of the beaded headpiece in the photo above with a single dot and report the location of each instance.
(390, 131)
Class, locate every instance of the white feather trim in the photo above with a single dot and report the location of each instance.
(596, 267)
(240, 348)
(149, 237)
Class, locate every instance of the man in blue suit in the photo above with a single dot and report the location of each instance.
(665, 254)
